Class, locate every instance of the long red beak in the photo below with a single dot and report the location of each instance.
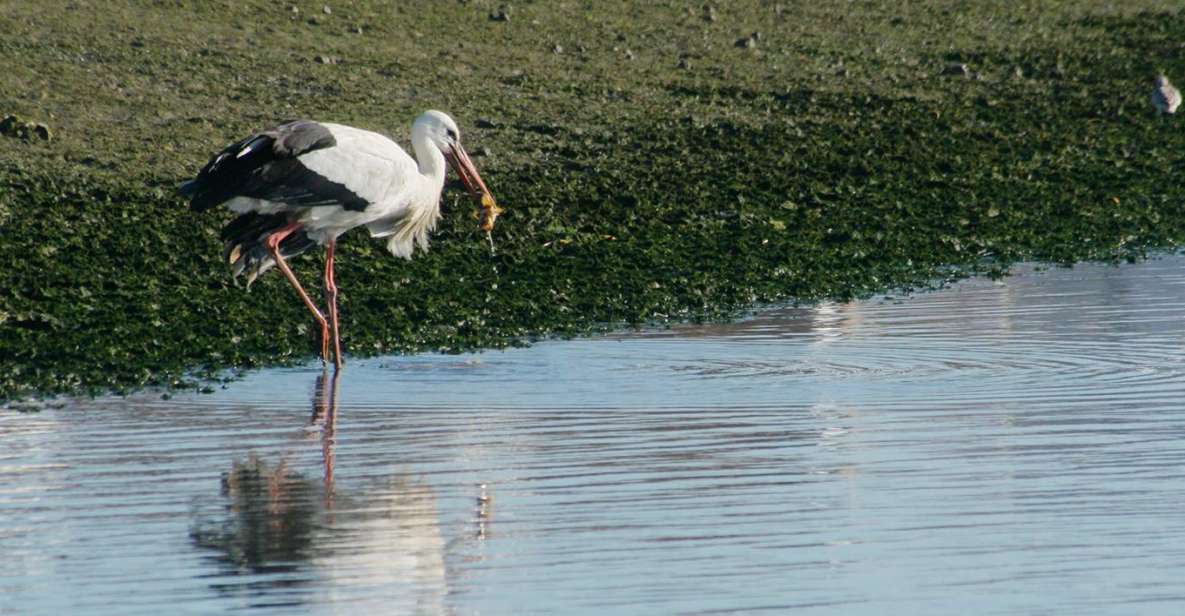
(459, 159)
(461, 163)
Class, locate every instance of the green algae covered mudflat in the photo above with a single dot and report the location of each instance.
(657, 161)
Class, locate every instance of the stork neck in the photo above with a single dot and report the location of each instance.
(430, 160)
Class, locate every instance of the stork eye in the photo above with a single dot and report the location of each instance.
(452, 134)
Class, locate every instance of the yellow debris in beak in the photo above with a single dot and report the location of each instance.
(489, 212)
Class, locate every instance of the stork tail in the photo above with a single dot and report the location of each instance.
(243, 243)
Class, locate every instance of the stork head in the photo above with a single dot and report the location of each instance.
(1160, 81)
(442, 131)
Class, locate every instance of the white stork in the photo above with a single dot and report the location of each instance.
(304, 183)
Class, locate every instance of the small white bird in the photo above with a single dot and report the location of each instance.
(1165, 97)
(304, 183)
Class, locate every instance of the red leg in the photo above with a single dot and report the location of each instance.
(331, 301)
(273, 246)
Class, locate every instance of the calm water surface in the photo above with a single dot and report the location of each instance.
(1010, 447)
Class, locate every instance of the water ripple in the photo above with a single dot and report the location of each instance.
(1014, 445)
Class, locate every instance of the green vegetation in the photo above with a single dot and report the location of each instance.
(658, 160)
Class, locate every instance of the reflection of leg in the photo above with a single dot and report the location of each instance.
(320, 398)
(331, 301)
(328, 437)
(331, 406)
(273, 246)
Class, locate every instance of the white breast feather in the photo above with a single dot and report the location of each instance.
(408, 230)
(386, 175)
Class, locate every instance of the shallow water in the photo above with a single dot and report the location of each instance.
(994, 448)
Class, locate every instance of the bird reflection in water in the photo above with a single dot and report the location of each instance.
(333, 543)
(268, 519)
(271, 510)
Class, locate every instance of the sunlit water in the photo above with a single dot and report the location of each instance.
(1012, 447)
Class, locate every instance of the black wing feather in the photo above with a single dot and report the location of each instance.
(266, 166)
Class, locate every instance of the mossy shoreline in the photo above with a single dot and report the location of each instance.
(653, 167)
